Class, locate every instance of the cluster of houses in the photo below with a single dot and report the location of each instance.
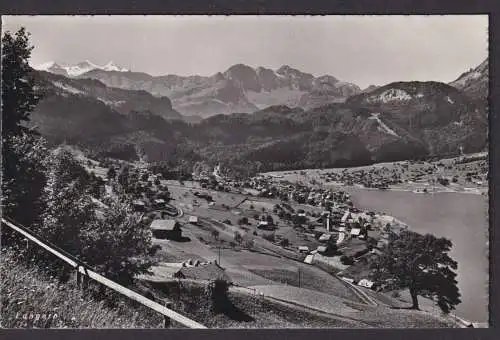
(339, 228)
(379, 178)
(268, 187)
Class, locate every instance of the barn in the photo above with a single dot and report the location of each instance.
(169, 229)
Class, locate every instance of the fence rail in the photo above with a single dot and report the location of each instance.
(83, 269)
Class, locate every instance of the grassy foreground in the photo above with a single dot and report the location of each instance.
(30, 299)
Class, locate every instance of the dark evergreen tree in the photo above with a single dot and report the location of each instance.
(22, 151)
(18, 94)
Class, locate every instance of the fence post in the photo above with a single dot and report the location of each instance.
(167, 323)
(78, 277)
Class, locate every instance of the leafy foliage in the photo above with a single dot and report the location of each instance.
(22, 152)
(18, 95)
(420, 263)
(51, 193)
(118, 245)
(218, 290)
(69, 209)
(238, 238)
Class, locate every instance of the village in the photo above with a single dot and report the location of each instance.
(466, 173)
(261, 230)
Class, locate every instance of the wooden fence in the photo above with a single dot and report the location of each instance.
(84, 272)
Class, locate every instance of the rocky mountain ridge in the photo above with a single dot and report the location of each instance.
(240, 88)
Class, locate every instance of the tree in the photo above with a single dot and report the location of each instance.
(237, 237)
(111, 172)
(118, 246)
(243, 220)
(420, 263)
(23, 153)
(249, 244)
(23, 178)
(269, 219)
(346, 260)
(284, 242)
(18, 94)
(69, 209)
(217, 290)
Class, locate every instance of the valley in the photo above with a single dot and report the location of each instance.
(245, 197)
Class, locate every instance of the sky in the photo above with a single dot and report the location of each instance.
(364, 50)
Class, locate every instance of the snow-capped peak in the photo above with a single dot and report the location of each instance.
(87, 64)
(79, 68)
(47, 66)
(111, 66)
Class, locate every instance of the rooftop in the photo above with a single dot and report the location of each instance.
(163, 225)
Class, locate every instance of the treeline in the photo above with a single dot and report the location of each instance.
(49, 192)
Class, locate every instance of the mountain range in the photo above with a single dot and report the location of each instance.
(474, 82)
(397, 121)
(77, 69)
(240, 88)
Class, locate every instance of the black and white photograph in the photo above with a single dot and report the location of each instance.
(244, 171)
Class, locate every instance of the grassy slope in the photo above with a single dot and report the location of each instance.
(25, 290)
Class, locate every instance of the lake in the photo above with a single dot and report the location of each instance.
(462, 218)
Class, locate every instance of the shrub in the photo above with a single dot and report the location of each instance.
(270, 237)
(284, 243)
(237, 237)
(243, 220)
(217, 291)
(361, 252)
(269, 219)
(249, 244)
(346, 260)
(443, 181)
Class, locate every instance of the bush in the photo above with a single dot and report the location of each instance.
(269, 219)
(443, 181)
(270, 237)
(217, 291)
(237, 237)
(243, 220)
(361, 252)
(249, 244)
(346, 260)
(284, 243)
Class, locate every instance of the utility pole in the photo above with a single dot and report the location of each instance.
(219, 255)
(27, 245)
(299, 276)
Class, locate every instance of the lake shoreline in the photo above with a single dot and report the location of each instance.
(456, 217)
